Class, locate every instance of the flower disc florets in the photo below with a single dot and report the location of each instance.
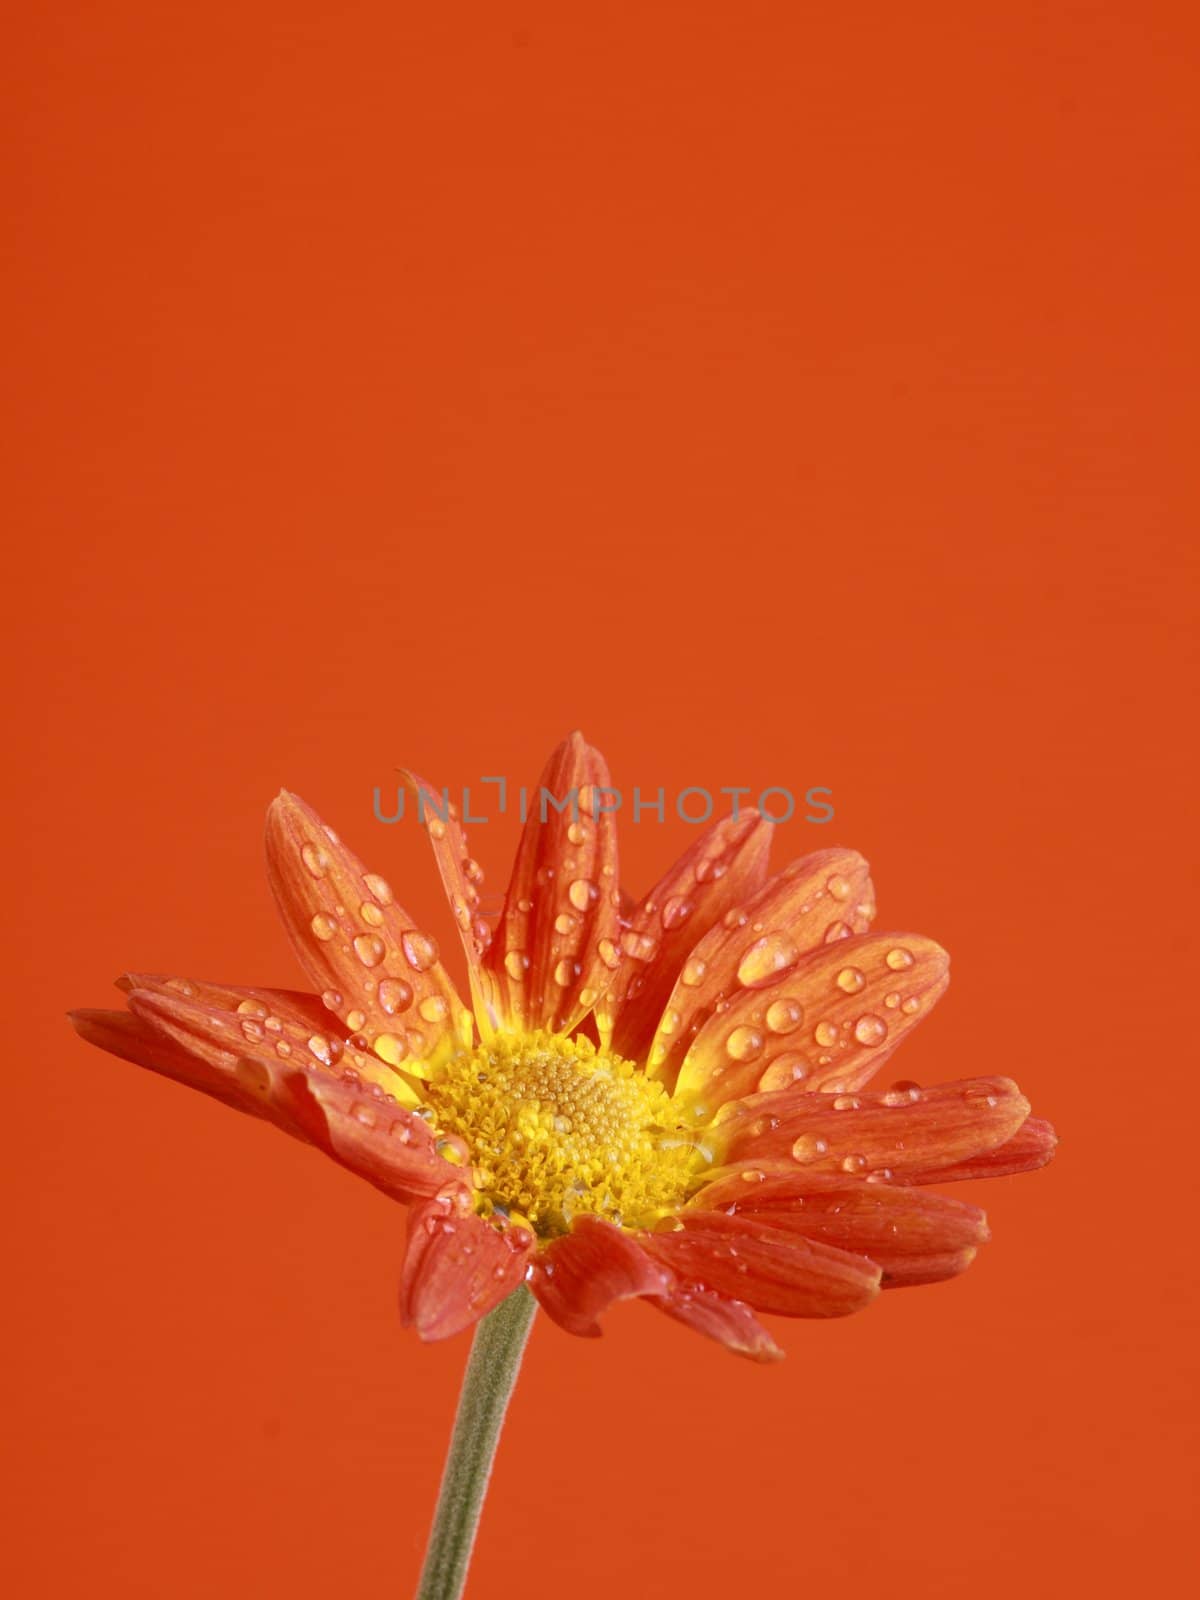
(555, 1127)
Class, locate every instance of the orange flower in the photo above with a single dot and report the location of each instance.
(666, 1102)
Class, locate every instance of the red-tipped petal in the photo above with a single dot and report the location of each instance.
(1031, 1147)
(462, 877)
(833, 1020)
(769, 1268)
(726, 865)
(577, 1277)
(903, 1132)
(913, 1236)
(819, 899)
(555, 948)
(729, 1322)
(378, 972)
(457, 1267)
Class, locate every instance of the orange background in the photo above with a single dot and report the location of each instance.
(785, 394)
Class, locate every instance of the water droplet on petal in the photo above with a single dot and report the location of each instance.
(911, 1006)
(390, 1047)
(808, 1147)
(693, 973)
(324, 927)
(609, 953)
(315, 859)
(870, 1030)
(855, 1163)
(433, 1008)
(766, 960)
(839, 888)
(784, 1016)
(371, 914)
(394, 995)
(516, 964)
(850, 980)
(378, 888)
(582, 893)
(369, 948)
(899, 959)
(836, 931)
(826, 1033)
(744, 1044)
(903, 1093)
(565, 973)
(786, 1069)
(676, 910)
(420, 951)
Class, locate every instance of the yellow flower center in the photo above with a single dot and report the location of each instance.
(554, 1127)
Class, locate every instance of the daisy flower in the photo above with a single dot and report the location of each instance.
(671, 1100)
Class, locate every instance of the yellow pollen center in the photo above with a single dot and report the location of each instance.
(555, 1127)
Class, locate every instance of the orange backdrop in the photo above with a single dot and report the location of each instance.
(784, 394)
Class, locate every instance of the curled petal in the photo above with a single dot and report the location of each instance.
(553, 953)
(821, 898)
(726, 865)
(461, 877)
(375, 969)
(1031, 1147)
(349, 1118)
(133, 1039)
(913, 1236)
(457, 1266)
(901, 1133)
(729, 1322)
(833, 1020)
(770, 1268)
(577, 1277)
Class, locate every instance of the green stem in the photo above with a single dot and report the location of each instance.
(492, 1369)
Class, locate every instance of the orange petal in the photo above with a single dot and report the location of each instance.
(1031, 1147)
(133, 1039)
(903, 1132)
(555, 948)
(729, 1322)
(831, 1022)
(457, 1267)
(769, 1268)
(462, 877)
(726, 865)
(913, 1236)
(820, 898)
(579, 1276)
(235, 1056)
(375, 969)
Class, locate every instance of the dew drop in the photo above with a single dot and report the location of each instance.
(744, 1044)
(322, 1049)
(836, 931)
(251, 1008)
(433, 1008)
(903, 1093)
(692, 975)
(826, 1033)
(766, 960)
(371, 914)
(394, 995)
(390, 1047)
(676, 910)
(565, 973)
(420, 951)
(899, 959)
(582, 893)
(331, 1000)
(565, 923)
(870, 1030)
(378, 888)
(855, 1163)
(609, 953)
(911, 1006)
(784, 1016)
(786, 1069)
(839, 888)
(670, 1021)
(516, 964)
(850, 980)
(315, 859)
(324, 927)
(808, 1147)
(369, 948)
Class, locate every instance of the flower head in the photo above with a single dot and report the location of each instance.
(666, 1100)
